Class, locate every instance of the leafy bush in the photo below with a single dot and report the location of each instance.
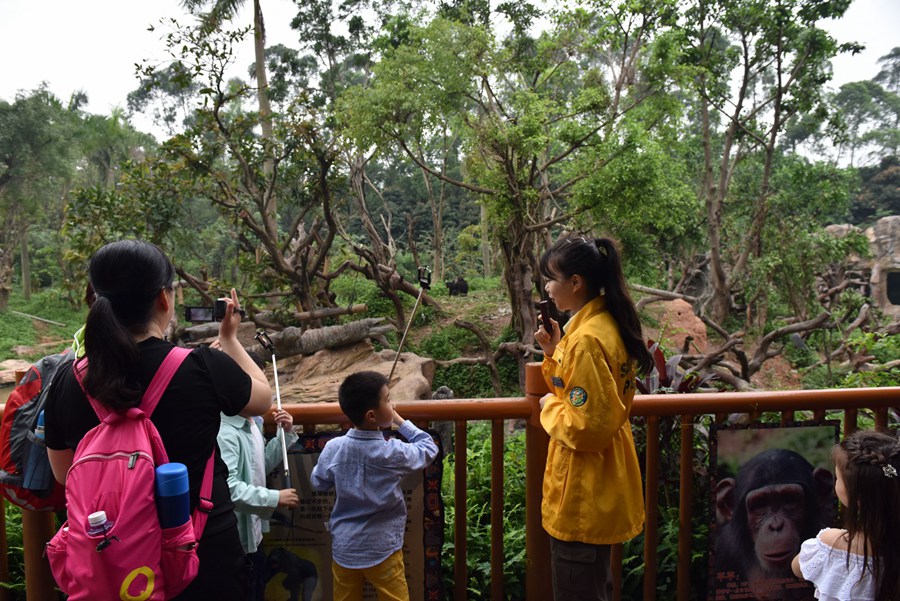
(16, 553)
(466, 381)
(872, 379)
(478, 514)
(800, 357)
(355, 288)
(820, 377)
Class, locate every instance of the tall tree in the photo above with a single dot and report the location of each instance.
(536, 115)
(758, 64)
(35, 157)
(219, 12)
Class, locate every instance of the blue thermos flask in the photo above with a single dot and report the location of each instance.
(172, 501)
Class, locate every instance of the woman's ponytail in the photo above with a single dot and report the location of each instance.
(126, 277)
(621, 307)
(111, 351)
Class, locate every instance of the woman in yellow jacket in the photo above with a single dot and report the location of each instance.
(592, 495)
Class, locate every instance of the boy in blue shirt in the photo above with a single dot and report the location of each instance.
(369, 515)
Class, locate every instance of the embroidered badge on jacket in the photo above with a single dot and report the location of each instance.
(578, 396)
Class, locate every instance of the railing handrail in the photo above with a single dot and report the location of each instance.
(644, 404)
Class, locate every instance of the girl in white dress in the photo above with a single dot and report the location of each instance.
(861, 563)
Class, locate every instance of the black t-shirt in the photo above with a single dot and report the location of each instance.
(187, 416)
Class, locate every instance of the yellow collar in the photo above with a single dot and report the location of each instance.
(591, 308)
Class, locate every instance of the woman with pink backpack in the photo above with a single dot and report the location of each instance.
(125, 347)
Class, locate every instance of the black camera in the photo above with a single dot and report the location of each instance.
(207, 314)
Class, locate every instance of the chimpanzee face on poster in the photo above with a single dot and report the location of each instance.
(776, 501)
(775, 515)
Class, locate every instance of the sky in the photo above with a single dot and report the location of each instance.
(93, 45)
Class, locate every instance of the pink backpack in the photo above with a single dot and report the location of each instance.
(114, 470)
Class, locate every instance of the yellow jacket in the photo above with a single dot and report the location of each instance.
(592, 483)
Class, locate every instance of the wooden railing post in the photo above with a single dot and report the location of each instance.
(538, 584)
(686, 481)
(38, 528)
(460, 549)
(651, 528)
(497, 495)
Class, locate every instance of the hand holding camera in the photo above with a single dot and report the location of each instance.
(208, 314)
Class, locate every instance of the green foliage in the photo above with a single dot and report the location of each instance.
(787, 275)
(355, 288)
(16, 330)
(824, 376)
(447, 343)
(669, 521)
(478, 514)
(474, 381)
(883, 348)
(800, 357)
(15, 553)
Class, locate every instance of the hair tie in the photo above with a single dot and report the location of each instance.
(598, 242)
(889, 470)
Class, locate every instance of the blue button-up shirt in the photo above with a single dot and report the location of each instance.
(369, 515)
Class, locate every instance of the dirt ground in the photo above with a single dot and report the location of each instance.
(776, 373)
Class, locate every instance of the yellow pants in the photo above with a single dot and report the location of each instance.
(388, 578)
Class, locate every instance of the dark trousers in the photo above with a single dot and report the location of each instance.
(580, 571)
(256, 561)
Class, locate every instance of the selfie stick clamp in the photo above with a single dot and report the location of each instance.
(424, 276)
(263, 339)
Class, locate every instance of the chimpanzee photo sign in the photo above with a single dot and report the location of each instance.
(772, 488)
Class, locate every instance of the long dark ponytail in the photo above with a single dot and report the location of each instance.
(598, 262)
(869, 463)
(126, 277)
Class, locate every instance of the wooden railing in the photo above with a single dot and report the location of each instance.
(537, 573)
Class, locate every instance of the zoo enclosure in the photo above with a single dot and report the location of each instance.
(38, 526)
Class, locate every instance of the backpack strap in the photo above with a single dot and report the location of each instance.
(162, 378)
(205, 504)
(154, 391)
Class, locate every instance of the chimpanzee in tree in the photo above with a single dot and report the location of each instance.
(777, 501)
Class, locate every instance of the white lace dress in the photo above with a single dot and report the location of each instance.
(826, 568)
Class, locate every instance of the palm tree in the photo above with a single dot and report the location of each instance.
(224, 10)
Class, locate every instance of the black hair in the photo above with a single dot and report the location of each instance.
(869, 465)
(127, 277)
(597, 261)
(359, 393)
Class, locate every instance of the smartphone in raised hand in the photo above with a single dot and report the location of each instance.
(544, 306)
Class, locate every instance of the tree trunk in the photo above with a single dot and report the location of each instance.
(437, 221)
(517, 245)
(485, 243)
(294, 341)
(6, 271)
(262, 95)
(269, 317)
(25, 260)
